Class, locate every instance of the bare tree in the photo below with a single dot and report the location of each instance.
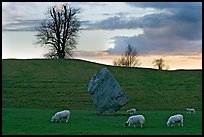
(129, 59)
(59, 31)
(159, 63)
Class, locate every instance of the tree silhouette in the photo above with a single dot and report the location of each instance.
(129, 59)
(159, 63)
(59, 31)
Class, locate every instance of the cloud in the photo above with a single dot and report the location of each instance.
(162, 5)
(23, 16)
(96, 56)
(21, 25)
(175, 31)
(146, 46)
(84, 53)
(20, 16)
(187, 21)
(29, 25)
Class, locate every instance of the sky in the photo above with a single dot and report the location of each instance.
(168, 30)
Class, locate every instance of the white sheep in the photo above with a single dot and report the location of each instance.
(132, 120)
(190, 110)
(65, 114)
(178, 118)
(132, 111)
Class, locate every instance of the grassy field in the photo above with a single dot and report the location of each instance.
(42, 87)
(37, 122)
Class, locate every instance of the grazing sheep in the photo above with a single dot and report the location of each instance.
(132, 111)
(178, 118)
(132, 120)
(190, 110)
(65, 114)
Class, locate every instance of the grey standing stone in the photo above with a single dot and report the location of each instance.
(106, 93)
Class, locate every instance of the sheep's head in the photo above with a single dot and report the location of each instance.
(168, 123)
(52, 119)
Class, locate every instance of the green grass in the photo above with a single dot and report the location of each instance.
(64, 83)
(20, 121)
(45, 86)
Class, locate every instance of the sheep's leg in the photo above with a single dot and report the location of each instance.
(129, 124)
(141, 122)
(67, 119)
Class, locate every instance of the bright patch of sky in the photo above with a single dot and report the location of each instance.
(103, 40)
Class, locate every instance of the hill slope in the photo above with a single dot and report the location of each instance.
(38, 83)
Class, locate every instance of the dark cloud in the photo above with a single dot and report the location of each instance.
(116, 22)
(178, 31)
(180, 22)
(166, 5)
(144, 45)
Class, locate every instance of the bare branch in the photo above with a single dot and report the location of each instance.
(59, 31)
(129, 59)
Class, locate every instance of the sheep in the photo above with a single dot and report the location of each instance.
(190, 110)
(132, 120)
(178, 118)
(65, 114)
(132, 111)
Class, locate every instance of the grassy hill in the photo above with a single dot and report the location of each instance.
(59, 84)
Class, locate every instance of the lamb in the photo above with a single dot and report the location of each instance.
(65, 114)
(178, 118)
(132, 120)
(132, 111)
(190, 110)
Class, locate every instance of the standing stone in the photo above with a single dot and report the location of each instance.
(106, 93)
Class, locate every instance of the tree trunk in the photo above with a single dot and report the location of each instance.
(61, 54)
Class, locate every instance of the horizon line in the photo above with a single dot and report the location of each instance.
(98, 63)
